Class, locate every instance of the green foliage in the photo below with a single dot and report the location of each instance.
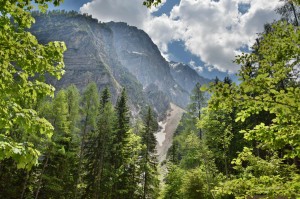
(190, 146)
(197, 101)
(149, 161)
(90, 106)
(194, 184)
(56, 174)
(73, 98)
(130, 170)
(97, 151)
(173, 184)
(150, 3)
(125, 153)
(272, 93)
(268, 177)
(89, 111)
(269, 87)
(150, 128)
(264, 109)
(221, 132)
(24, 63)
(123, 115)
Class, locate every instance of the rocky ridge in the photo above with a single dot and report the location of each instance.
(116, 55)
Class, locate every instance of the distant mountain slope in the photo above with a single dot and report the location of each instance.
(141, 57)
(185, 76)
(115, 55)
(90, 55)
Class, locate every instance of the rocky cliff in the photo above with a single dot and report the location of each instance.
(115, 55)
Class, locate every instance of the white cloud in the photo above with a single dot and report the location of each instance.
(133, 12)
(193, 65)
(213, 31)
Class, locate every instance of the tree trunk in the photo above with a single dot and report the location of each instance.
(25, 185)
(81, 156)
(295, 14)
(40, 180)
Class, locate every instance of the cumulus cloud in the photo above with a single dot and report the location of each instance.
(215, 31)
(132, 12)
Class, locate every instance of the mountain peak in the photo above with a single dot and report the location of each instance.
(117, 55)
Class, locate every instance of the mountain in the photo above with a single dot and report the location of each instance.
(141, 57)
(116, 55)
(185, 76)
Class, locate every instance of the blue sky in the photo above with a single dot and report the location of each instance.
(206, 34)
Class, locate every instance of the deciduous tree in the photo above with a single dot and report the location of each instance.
(24, 64)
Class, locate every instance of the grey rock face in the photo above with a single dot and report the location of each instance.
(141, 57)
(185, 76)
(115, 55)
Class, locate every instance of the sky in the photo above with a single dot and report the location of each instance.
(206, 34)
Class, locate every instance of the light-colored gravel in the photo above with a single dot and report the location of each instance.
(168, 127)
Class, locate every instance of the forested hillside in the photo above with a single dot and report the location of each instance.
(66, 144)
(96, 151)
(235, 140)
(243, 141)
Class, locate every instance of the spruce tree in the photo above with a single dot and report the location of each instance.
(73, 100)
(126, 154)
(89, 112)
(97, 151)
(122, 178)
(149, 163)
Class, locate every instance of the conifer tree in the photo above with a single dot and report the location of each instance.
(73, 98)
(55, 176)
(97, 151)
(222, 135)
(122, 127)
(89, 112)
(132, 163)
(126, 153)
(149, 163)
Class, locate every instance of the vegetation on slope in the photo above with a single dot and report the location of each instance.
(244, 143)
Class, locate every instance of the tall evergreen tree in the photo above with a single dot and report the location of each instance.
(89, 112)
(123, 116)
(97, 151)
(149, 163)
(55, 176)
(73, 99)
(122, 127)
(132, 163)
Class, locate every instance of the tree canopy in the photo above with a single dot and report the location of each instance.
(24, 65)
(250, 129)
